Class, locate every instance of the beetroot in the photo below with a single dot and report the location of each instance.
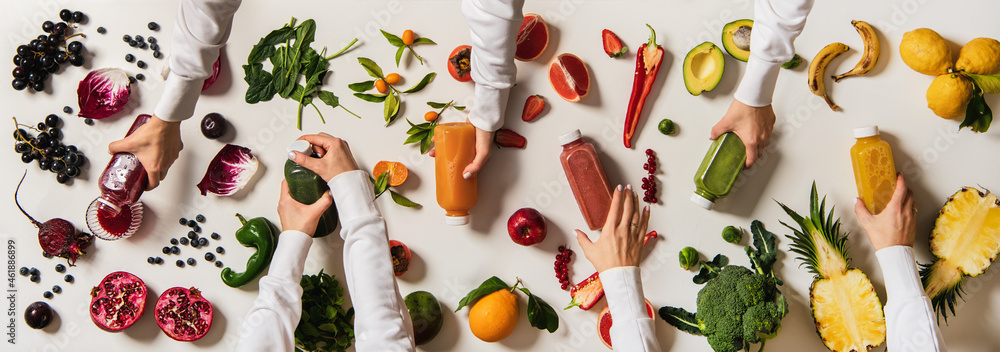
(58, 237)
(183, 314)
(118, 301)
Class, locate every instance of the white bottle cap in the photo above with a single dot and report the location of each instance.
(702, 202)
(867, 131)
(457, 220)
(300, 146)
(570, 137)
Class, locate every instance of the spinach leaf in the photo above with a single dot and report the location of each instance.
(329, 99)
(259, 82)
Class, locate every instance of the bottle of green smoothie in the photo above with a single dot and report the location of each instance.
(307, 187)
(719, 170)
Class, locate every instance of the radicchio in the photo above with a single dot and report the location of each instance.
(229, 172)
(103, 93)
(215, 74)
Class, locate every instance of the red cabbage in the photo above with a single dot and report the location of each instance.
(103, 93)
(229, 172)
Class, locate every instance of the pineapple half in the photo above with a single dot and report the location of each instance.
(845, 307)
(965, 241)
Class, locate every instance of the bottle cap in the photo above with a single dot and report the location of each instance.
(300, 146)
(570, 137)
(457, 220)
(867, 131)
(702, 201)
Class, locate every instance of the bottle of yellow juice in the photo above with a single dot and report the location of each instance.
(874, 170)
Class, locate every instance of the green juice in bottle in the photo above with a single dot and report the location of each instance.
(307, 187)
(719, 170)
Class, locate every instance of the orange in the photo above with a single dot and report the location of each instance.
(392, 78)
(381, 86)
(494, 316)
(397, 171)
(532, 38)
(569, 77)
(430, 116)
(408, 37)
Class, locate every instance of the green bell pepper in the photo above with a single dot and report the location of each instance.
(258, 233)
(307, 187)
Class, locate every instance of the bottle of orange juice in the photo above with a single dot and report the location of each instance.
(874, 170)
(455, 148)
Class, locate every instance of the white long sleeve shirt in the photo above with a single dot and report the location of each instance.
(381, 321)
(909, 319)
(493, 26)
(776, 25)
(632, 329)
(201, 28)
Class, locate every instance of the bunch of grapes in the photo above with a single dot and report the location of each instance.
(46, 148)
(43, 56)
(561, 268)
(649, 182)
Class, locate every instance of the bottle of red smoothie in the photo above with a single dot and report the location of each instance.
(586, 178)
(117, 213)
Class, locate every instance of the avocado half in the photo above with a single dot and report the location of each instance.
(703, 68)
(736, 39)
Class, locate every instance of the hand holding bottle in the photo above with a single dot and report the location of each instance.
(624, 232)
(896, 225)
(300, 217)
(753, 124)
(333, 156)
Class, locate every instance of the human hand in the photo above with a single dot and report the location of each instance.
(752, 124)
(298, 216)
(623, 234)
(484, 140)
(896, 225)
(156, 143)
(334, 154)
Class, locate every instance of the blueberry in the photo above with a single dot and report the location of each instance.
(153, 26)
(191, 261)
(140, 76)
(129, 58)
(35, 279)
(34, 272)
(24, 271)
(157, 54)
(220, 250)
(151, 40)
(133, 43)
(184, 240)
(101, 30)
(60, 268)
(200, 218)
(183, 221)
(197, 228)
(127, 38)
(68, 278)
(192, 235)
(143, 45)
(131, 80)
(56, 289)
(44, 253)
(47, 294)
(166, 250)
(140, 64)
(175, 250)
(180, 263)
(150, 260)
(173, 241)
(218, 264)
(138, 38)
(67, 109)
(191, 223)
(209, 256)
(215, 236)
(202, 242)
(88, 121)
(159, 260)
(154, 47)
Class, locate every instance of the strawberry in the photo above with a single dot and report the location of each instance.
(586, 293)
(509, 139)
(532, 107)
(612, 45)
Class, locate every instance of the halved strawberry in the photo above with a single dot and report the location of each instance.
(586, 293)
(509, 139)
(532, 107)
(613, 46)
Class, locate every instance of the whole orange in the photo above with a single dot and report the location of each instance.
(494, 316)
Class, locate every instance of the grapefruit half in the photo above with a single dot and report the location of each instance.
(532, 38)
(569, 77)
(604, 323)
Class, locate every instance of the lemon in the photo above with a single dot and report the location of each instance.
(949, 94)
(925, 51)
(980, 56)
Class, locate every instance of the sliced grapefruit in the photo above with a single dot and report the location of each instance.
(569, 77)
(532, 38)
(604, 323)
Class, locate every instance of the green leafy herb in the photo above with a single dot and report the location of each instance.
(977, 114)
(324, 325)
(398, 43)
(382, 185)
(540, 314)
(711, 269)
(292, 58)
(392, 99)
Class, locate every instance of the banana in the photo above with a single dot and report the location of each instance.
(872, 49)
(817, 70)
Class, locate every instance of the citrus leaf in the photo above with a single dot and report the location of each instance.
(540, 314)
(390, 107)
(489, 286)
(361, 86)
(423, 40)
(416, 137)
(371, 67)
(392, 38)
(370, 98)
(399, 199)
(458, 107)
(423, 83)
(988, 83)
(436, 105)
(425, 145)
(977, 115)
(381, 183)
(399, 54)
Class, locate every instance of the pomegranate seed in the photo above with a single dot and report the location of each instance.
(649, 152)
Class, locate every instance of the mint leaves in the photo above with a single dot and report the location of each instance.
(324, 325)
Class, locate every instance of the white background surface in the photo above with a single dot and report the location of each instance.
(810, 143)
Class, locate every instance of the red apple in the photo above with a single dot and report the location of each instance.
(526, 227)
(400, 257)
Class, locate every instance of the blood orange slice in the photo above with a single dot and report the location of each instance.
(532, 38)
(604, 323)
(569, 77)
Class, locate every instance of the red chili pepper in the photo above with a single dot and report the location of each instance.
(647, 65)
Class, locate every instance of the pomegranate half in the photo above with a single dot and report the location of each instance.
(118, 301)
(183, 314)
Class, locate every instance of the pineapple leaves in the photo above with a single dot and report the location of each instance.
(681, 319)
(818, 227)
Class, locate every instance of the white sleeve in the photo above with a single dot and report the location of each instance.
(909, 319)
(201, 28)
(381, 320)
(632, 329)
(270, 324)
(493, 26)
(776, 25)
